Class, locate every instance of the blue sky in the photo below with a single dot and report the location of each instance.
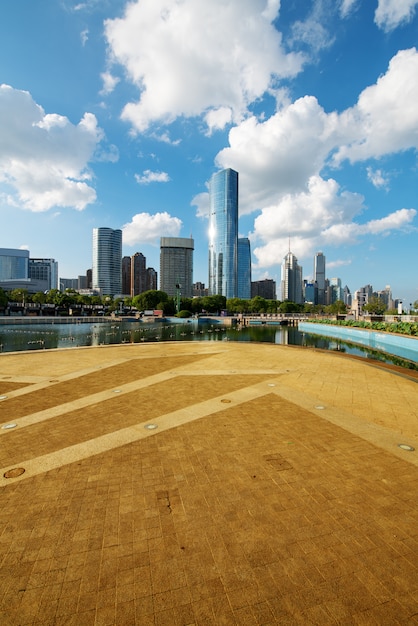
(117, 114)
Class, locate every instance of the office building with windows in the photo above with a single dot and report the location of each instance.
(43, 274)
(107, 261)
(292, 279)
(176, 266)
(319, 277)
(244, 268)
(223, 234)
(265, 288)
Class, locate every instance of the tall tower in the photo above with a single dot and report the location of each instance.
(319, 276)
(223, 234)
(138, 274)
(176, 265)
(291, 279)
(107, 261)
(244, 268)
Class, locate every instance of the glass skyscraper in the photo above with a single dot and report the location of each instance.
(223, 234)
(107, 261)
(291, 279)
(244, 268)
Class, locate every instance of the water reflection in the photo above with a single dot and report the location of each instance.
(15, 338)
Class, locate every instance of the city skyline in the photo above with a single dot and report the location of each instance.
(117, 114)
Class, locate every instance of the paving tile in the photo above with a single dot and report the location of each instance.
(261, 510)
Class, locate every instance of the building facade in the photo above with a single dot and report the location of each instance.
(107, 261)
(292, 279)
(244, 268)
(176, 266)
(265, 288)
(44, 273)
(319, 277)
(223, 234)
(14, 264)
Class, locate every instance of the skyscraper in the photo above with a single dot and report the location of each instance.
(176, 265)
(291, 279)
(107, 261)
(138, 274)
(244, 268)
(223, 234)
(319, 276)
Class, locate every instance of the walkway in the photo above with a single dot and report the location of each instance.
(206, 483)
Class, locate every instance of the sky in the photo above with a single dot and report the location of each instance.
(116, 114)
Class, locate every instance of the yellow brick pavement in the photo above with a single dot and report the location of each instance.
(206, 483)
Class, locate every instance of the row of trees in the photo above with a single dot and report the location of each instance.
(155, 299)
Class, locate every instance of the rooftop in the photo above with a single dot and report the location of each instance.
(207, 483)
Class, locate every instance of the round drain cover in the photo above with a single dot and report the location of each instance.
(14, 473)
(150, 426)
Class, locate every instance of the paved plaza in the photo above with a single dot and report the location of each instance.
(207, 483)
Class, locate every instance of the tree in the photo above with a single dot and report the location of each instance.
(19, 295)
(3, 299)
(39, 297)
(336, 307)
(375, 305)
(149, 300)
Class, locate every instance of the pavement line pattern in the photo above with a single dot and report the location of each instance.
(127, 435)
(40, 416)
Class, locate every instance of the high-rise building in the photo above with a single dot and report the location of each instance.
(244, 268)
(319, 276)
(14, 264)
(264, 288)
(292, 279)
(107, 261)
(126, 275)
(337, 292)
(151, 279)
(138, 274)
(44, 273)
(176, 266)
(223, 234)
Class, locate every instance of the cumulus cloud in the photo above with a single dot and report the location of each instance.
(385, 118)
(392, 13)
(146, 228)
(322, 215)
(279, 155)
(377, 178)
(190, 57)
(109, 83)
(151, 177)
(44, 158)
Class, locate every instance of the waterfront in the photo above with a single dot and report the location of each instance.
(53, 334)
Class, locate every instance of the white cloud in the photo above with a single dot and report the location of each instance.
(347, 6)
(385, 118)
(392, 13)
(279, 155)
(146, 228)
(217, 119)
(44, 157)
(109, 83)
(152, 177)
(191, 56)
(377, 178)
(84, 36)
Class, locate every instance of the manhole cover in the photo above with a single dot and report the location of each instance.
(320, 407)
(405, 446)
(225, 401)
(7, 426)
(14, 473)
(150, 426)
